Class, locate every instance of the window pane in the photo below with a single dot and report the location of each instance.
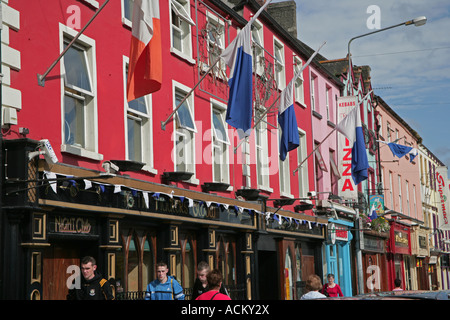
(133, 263)
(138, 105)
(75, 65)
(148, 265)
(128, 9)
(184, 114)
(74, 121)
(221, 133)
(134, 140)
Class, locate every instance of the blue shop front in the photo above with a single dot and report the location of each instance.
(337, 249)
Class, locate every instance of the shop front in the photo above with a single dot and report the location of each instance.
(288, 250)
(55, 216)
(399, 255)
(337, 249)
(425, 266)
(374, 262)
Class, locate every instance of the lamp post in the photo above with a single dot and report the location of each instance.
(420, 21)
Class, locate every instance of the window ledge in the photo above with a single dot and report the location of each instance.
(285, 194)
(81, 152)
(149, 169)
(182, 55)
(265, 188)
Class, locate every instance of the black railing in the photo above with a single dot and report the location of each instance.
(236, 292)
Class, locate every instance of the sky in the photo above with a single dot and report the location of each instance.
(410, 66)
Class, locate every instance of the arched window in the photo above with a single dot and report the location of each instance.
(288, 275)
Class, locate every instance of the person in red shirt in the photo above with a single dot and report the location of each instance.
(332, 289)
(214, 279)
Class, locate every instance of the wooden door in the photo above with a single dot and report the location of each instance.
(307, 266)
(56, 261)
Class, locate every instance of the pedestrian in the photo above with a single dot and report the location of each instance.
(214, 279)
(201, 283)
(398, 285)
(332, 289)
(313, 285)
(164, 287)
(92, 285)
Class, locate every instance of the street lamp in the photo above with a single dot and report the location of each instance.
(419, 21)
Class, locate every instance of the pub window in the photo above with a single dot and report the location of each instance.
(181, 28)
(79, 96)
(133, 267)
(148, 263)
(188, 275)
(220, 144)
(139, 131)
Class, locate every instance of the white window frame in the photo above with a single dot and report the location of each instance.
(127, 21)
(299, 93)
(220, 145)
(90, 148)
(313, 91)
(279, 63)
(262, 154)
(258, 49)
(189, 150)
(181, 9)
(327, 101)
(147, 125)
(303, 170)
(220, 68)
(407, 198)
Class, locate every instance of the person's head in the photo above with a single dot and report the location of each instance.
(214, 279)
(313, 283)
(330, 278)
(88, 267)
(161, 271)
(397, 282)
(202, 271)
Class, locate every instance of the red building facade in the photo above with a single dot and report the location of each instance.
(136, 183)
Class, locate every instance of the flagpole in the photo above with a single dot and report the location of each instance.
(163, 123)
(41, 78)
(329, 134)
(359, 102)
(295, 76)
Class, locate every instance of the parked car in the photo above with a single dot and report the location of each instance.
(401, 295)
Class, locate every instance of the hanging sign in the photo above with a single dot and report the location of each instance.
(347, 188)
(443, 193)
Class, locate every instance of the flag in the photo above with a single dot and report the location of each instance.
(351, 127)
(144, 71)
(288, 122)
(286, 114)
(401, 150)
(238, 57)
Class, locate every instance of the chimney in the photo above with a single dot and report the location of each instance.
(285, 13)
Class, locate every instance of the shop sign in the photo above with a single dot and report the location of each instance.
(71, 225)
(347, 188)
(338, 233)
(200, 210)
(373, 244)
(443, 192)
(401, 239)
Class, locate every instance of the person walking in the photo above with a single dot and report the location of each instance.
(92, 285)
(214, 279)
(164, 287)
(332, 289)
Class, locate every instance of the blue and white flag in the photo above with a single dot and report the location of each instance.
(351, 127)
(288, 121)
(401, 150)
(290, 139)
(238, 57)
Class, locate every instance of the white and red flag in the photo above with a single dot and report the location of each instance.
(144, 70)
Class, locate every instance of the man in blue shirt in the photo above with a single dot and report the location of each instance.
(164, 287)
